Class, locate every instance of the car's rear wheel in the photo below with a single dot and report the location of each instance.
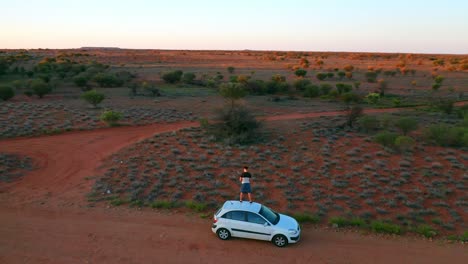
(280, 240)
(223, 233)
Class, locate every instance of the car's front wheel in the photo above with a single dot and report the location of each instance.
(223, 233)
(280, 240)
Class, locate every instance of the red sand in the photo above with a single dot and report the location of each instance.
(44, 218)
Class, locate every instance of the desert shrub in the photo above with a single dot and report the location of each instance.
(111, 117)
(243, 79)
(406, 124)
(107, 80)
(40, 88)
(350, 98)
(387, 228)
(233, 78)
(404, 143)
(382, 86)
(151, 88)
(4, 65)
(234, 125)
(301, 84)
(325, 88)
(445, 106)
(6, 93)
(312, 91)
(343, 88)
(386, 138)
(357, 85)
(93, 97)
(257, 87)
(273, 87)
(278, 78)
(162, 204)
(439, 79)
(426, 230)
(372, 98)
(353, 114)
(188, 77)
(81, 80)
(368, 123)
(371, 76)
(341, 74)
(321, 76)
(338, 221)
(172, 77)
(230, 69)
(445, 135)
(300, 72)
(436, 86)
(196, 206)
(348, 68)
(232, 92)
(306, 218)
(330, 74)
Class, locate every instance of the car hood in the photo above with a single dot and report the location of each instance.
(287, 222)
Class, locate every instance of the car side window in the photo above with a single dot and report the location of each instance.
(238, 215)
(255, 218)
(227, 215)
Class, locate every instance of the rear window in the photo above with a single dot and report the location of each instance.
(235, 215)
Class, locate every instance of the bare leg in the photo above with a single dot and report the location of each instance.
(240, 197)
(250, 197)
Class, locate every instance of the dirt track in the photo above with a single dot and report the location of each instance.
(44, 218)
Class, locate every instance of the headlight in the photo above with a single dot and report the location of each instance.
(292, 231)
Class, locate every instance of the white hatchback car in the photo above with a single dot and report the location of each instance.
(256, 221)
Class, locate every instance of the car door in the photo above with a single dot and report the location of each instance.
(238, 224)
(258, 227)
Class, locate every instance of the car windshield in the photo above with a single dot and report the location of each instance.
(269, 214)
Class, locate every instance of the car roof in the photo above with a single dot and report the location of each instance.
(245, 206)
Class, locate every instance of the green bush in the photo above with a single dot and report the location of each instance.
(321, 76)
(172, 77)
(447, 136)
(371, 76)
(161, 204)
(325, 88)
(188, 77)
(386, 228)
(257, 87)
(446, 106)
(230, 69)
(372, 98)
(40, 88)
(357, 222)
(107, 80)
(341, 74)
(93, 97)
(306, 218)
(111, 117)
(386, 138)
(368, 123)
(312, 91)
(199, 207)
(406, 124)
(235, 125)
(343, 88)
(6, 93)
(338, 221)
(404, 143)
(301, 84)
(300, 72)
(81, 80)
(350, 98)
(426, 230)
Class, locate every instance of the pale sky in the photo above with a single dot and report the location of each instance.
(328, 25)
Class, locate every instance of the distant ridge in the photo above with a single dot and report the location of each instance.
(100, 48)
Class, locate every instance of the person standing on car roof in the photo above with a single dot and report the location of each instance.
(246, 180)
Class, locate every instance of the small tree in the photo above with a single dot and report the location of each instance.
(93, 97)
(325, 88)
(404, 143)
(6, 93)
(188, 77)
(321, 76)
(81, 81)
(232, 92)
(406, 124)
(300, 72)
(382, 87)
(350, 97)
(341, 74)
(357, 85)
(353, 114)
(111, 117)
(301, 84)
(172, 77)
(312, 91)
(230, 69)
(372, 98)
(371, 76)
(40, 88)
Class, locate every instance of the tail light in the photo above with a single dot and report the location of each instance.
(214, 219)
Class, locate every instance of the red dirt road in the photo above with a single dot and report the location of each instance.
(44, 218)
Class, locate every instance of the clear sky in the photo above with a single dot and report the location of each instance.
(422, 26)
